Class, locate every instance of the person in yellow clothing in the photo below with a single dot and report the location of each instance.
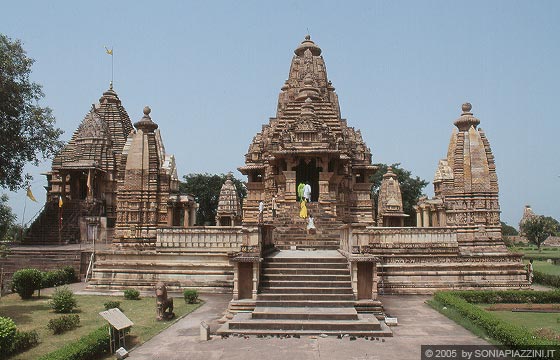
(303, 210)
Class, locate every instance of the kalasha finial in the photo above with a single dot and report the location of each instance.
(466, 120)
(467, 107)
(111, 85)
(307, 37)
(147, 110)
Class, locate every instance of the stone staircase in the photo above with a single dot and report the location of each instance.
(291, 230)
(44, 229)
(305, 293)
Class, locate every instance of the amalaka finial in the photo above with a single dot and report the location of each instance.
(147, 110)
(466, 120)
(466, 107)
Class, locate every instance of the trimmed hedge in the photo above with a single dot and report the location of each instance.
(510, 296)
(63, 323)
(500, 330)
(90, 346)
(191, 296)
(112, 305)
(26, 281)
(546, 279)
(24, 340)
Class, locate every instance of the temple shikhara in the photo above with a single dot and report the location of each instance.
(114, 183)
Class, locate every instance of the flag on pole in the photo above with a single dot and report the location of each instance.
(60, 202)
(109, 51)
(30, 194)
(89, 181)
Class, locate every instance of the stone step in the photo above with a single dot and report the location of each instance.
(304, 284)
(304, 247)
(305, 265)
(307, 303)
(363, 323)
(305, 290)
(299, 296)
(293, 277)
(304, 313)
(303, 271)
(330, 260)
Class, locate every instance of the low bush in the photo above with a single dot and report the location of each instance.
(63, 323)
(7, 333)
(112, 305)
(132, 294)
(63, 300)
(24, 340)
(191, 296)
(500, 330)
(546, 279)
(26, 281)
(91, 346)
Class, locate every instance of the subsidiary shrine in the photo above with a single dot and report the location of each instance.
(115, 184)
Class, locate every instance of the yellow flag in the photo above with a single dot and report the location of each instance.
(60, 202)
(109, 51)
(30, 194)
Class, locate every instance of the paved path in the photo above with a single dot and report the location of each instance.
(418, 324)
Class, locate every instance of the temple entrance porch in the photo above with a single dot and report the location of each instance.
(307, 172)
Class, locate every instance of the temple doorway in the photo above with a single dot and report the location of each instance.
(307, 171)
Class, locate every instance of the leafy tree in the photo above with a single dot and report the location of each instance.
(411, 189)
(508, 230)
(206, 189)
(7, 217)
(538, 228)
(27, 130)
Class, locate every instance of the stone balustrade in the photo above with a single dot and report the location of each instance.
(215, 238)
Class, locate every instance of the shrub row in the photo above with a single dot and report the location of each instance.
(546, 279)
(13, 341)
(90, 346)
(500, 330)
(511, 296)
(63, 323)
(131, 294)
(26, 281)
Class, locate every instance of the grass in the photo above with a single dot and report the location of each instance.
(35, 313)
(532, 252)
(545, 267)
(531, 320)
(459, 319)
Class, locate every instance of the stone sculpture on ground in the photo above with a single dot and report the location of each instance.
(164, 305)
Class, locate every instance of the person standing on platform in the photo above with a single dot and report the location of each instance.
(261, 211)
(311, 224)
(300, 191)
(274, 206)
(307, 191)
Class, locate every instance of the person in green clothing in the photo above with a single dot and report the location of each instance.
(300, 191)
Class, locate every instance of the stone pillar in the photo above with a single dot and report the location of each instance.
(434, 216)
(374, 282)
(324, 179)
(186, 217)
(169, 215)
(426, 216)
(192, 217)
(290, 194)
(443, 217)
(235, 281)
(255, 280)
(418, 216)
(354, 267)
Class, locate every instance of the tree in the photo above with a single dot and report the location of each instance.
(7, 217)
(206, 189)
(411, 189)
(27, 130)
(508, 230)
(538, 228)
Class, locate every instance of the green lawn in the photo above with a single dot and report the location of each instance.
(530, 320)
(34, 315)
(531, 252)
(545, 267)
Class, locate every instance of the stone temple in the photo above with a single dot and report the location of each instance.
(282, 278)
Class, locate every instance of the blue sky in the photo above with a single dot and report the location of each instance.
(211, 72)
